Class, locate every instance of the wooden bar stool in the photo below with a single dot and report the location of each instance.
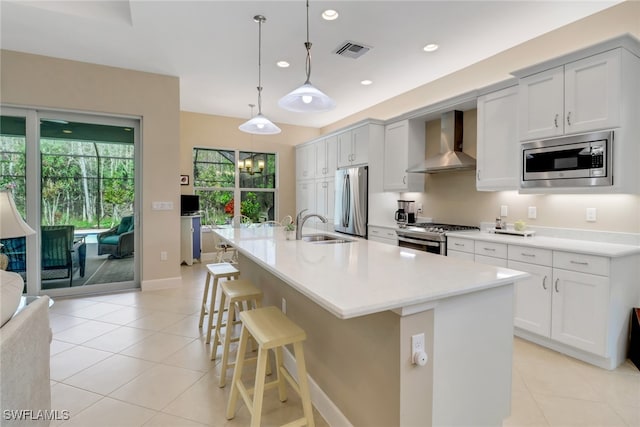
(272, 330)
(235, 295)
(222, 270)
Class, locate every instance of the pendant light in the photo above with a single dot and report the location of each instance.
(259, 124)
(307, 98)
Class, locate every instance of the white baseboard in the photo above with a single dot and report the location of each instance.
(157, 284)
(329, 411)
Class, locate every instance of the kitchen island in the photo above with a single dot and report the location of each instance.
(361, 302)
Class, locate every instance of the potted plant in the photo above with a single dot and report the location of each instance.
(290, 231)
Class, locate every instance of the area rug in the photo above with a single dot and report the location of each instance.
(113, 270)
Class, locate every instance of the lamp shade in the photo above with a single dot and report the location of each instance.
(307, 99)
(259, 125)
(11, 223)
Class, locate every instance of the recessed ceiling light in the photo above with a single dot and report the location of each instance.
(282, 64)
(366, 82)
(330, 14)
(66, 131)
(430, 47)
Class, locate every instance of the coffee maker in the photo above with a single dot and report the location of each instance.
(406, 213)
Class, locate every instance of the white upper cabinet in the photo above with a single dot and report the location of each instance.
(497, 156)
(353, 147)
(580, 96)
(592, 93)
(325, 193)
(306, 196)
(326, 157)
(404, 145)
(305, 161)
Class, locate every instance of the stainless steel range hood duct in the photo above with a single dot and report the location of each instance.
(451, 157)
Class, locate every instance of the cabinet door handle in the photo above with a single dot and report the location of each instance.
(544, 283)
(404, 179)
(478, 175)
(555, 120)
(579, 262)
(458, 244)
(569, 118)
(556, 285)
(489, 249)
(528, 255)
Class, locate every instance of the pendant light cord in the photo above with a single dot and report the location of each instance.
(307, 45)
(260, 19)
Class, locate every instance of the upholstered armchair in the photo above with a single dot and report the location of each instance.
(117, 241)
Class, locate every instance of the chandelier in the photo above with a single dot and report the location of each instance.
(246, 166)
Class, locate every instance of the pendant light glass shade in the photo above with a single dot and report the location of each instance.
(307, 98)
(259, 124)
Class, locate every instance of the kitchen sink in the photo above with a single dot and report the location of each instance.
(325, 238)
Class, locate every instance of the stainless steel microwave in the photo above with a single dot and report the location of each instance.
(571, 161)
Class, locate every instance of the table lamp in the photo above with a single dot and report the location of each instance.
(11, 223)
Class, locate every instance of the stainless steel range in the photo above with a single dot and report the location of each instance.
(428, 236)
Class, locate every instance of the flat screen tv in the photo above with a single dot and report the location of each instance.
(189, 204)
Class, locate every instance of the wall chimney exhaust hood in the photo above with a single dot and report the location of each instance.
(451, 157)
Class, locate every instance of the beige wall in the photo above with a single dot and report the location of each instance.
(44, 82)
(203, 130)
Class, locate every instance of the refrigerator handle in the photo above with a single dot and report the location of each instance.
(345, 201)
(347, 211)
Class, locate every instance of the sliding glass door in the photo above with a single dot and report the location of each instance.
(81, 200)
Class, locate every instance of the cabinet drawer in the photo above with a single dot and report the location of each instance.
(461, 255)
(530, 255)
(381, 232)
(458, 244)
(590, 264)
(496, 250)
(489, 260)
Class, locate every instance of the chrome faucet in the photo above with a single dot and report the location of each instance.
(304, 219)
(299, 216)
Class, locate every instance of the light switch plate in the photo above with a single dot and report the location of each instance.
(591, 214)
(532, 212)
(504, 210)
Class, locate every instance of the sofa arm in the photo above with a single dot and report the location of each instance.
(24, 363)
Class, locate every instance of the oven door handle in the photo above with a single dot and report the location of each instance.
(419, 242)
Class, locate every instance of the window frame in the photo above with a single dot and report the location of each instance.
(237, 189)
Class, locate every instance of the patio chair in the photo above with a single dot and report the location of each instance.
(61, 255)
(117, 242)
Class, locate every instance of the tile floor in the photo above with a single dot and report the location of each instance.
(139, 359)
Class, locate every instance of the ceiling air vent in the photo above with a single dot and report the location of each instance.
(352, 49)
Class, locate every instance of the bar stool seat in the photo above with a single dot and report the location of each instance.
(236, 295)
(217, 271)
(272, 330)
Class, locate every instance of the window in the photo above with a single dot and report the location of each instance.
(220, 177)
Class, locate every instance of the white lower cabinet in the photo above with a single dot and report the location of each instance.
(569, 302)
(532, 298)
(579, 310)
(383, 235)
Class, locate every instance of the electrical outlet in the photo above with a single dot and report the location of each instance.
(504, 211)
(591, 214)
(163, 255)
(532, 212)
(284, 306)
(417, 343)
(419, 207)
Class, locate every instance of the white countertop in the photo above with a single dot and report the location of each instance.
(363, 277)
(589, 247)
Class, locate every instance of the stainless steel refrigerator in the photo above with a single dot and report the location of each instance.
(351, 200)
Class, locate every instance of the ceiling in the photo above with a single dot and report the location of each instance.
(212, 46)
